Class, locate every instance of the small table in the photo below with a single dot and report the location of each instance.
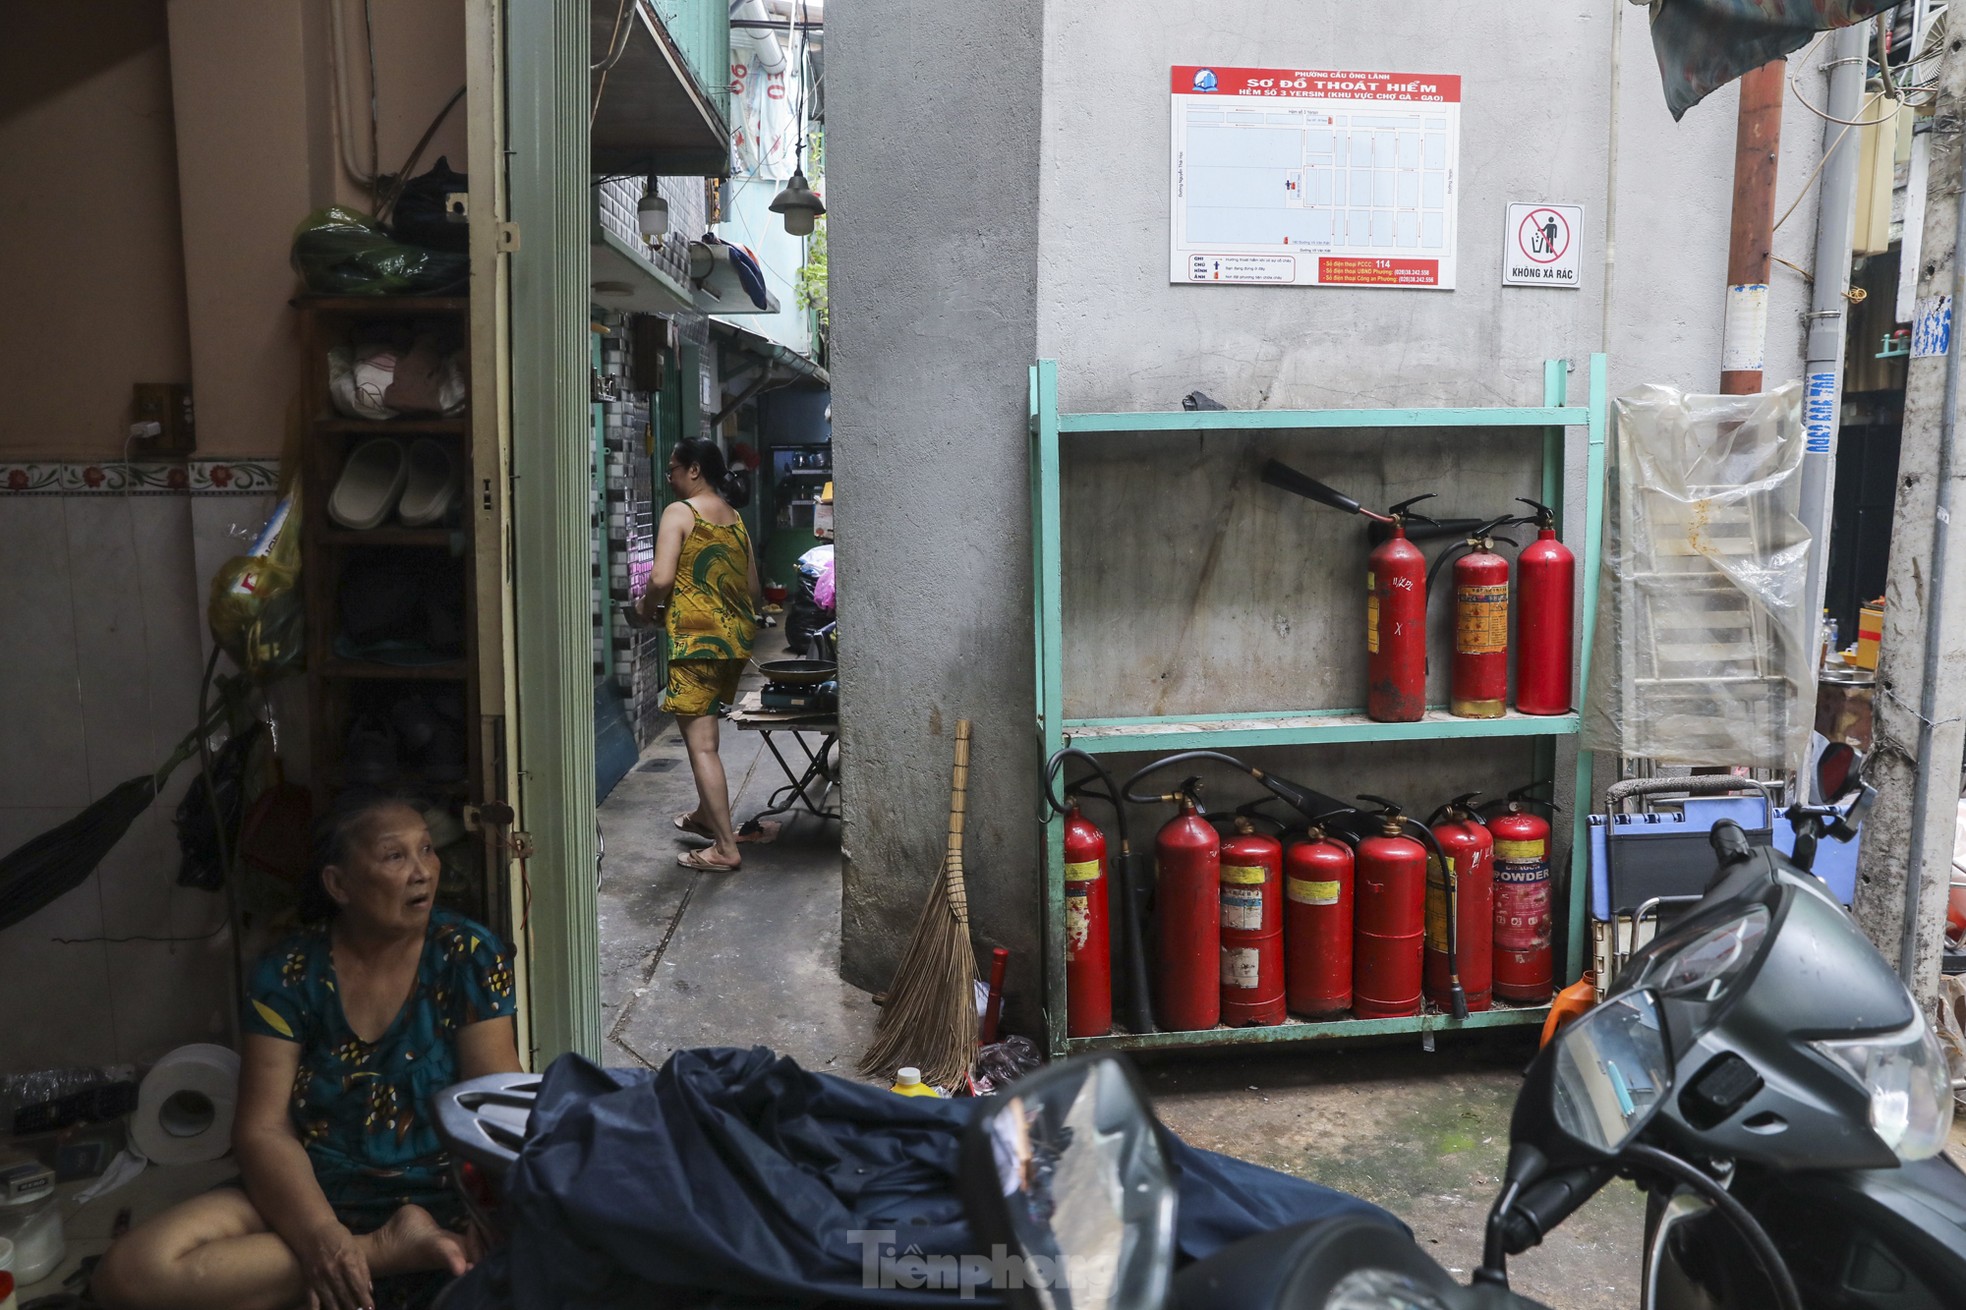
(810, 786)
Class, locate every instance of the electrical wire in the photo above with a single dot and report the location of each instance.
(1817, 171)
(1760, 1245)
(375, 104)
(620, 9)
(1847, 122)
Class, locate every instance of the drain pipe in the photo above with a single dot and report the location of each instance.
(1611, 180)
(1757, 150)
(1829, 296)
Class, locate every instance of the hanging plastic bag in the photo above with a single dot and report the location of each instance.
(255, 611)
(340, 252)
(1703, 650)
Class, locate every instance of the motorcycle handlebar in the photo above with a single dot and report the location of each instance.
(1548, 1202)
(1730, 843)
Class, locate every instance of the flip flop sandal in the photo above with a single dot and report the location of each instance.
(761, 831)
(432, 486)
(686, 823)
(370, 484)
(700, 861)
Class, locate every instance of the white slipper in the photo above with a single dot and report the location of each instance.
(435, 484)
(370, 484)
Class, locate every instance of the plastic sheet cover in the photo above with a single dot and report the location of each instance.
(1702, 651)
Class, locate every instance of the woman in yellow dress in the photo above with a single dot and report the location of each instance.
(704, 591)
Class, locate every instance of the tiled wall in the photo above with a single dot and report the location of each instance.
(102, 643)
(618, 200)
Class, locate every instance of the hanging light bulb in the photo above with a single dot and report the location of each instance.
(799, 204)
(652, 213)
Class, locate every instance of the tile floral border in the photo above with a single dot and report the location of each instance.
(251, 476)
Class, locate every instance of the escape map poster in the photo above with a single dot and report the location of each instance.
(1314, 177)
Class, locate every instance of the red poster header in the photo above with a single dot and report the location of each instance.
(1317, 83)
(1359, 271)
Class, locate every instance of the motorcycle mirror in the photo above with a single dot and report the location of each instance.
(1834, 769)
(1595, 1087)
(1065, 1171)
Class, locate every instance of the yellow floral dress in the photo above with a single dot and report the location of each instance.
(711, 623)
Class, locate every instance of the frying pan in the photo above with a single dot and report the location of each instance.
(800, 673)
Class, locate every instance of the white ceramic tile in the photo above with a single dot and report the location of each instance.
(41, 755)
(139, 875)
(54, 998)
(106, 592)
(173, 595)
(166, 994)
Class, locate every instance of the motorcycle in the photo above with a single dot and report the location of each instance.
(1758, 1068)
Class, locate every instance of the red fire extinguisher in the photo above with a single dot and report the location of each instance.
(1396, 625)
(1395, 605)
(1523, 961)
(1088, 935)
(1252, 928)
(1390, 916)
(1317, 925)
(1478, 686)
(1465, 887)
(1188, 854)
(1546, 574)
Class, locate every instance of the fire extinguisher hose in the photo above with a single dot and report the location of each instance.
(1456, 995)
(1136, 1003)
(1302, 799)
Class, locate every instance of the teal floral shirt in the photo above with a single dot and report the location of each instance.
(362, 1109)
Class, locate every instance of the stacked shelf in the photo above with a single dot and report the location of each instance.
(343, 687)
(1300, 727)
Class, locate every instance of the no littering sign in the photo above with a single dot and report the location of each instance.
(1542, 246)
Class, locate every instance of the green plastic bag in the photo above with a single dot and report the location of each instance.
(340, 252)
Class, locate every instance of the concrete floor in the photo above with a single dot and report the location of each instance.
(723, 959)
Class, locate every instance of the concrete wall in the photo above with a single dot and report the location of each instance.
(89, 249)
(1189, 586)
(156, 160)
(933, 240)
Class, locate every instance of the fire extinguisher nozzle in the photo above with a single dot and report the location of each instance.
(1457, 1000)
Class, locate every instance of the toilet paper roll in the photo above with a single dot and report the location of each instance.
(185, 1104)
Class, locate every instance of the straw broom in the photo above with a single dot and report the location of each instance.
(928, 1019)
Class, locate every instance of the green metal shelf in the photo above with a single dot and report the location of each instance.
(1272, 420)
(1302, 728)
(1309, 1030)
(1258, 728)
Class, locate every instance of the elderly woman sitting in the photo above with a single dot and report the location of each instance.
(351, 1026)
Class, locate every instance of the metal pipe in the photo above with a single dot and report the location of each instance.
(1611, 178)
(1823, 374)
(1757, 150)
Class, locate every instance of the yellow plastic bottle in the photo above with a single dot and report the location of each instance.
(908, 1082)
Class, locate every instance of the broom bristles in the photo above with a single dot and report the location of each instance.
(929, 1019)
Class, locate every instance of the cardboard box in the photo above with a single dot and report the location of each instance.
(1870, 631)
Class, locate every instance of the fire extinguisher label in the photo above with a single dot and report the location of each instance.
(1242, 908)
(1371, 618)
(1308, 892)
(1083, 871)
(1239, 966)
(1437, 906)
(1522, 896)
(1244, 875)
(1481, 619)
(1078, 920)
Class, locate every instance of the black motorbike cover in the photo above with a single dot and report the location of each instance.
(735, 1177)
